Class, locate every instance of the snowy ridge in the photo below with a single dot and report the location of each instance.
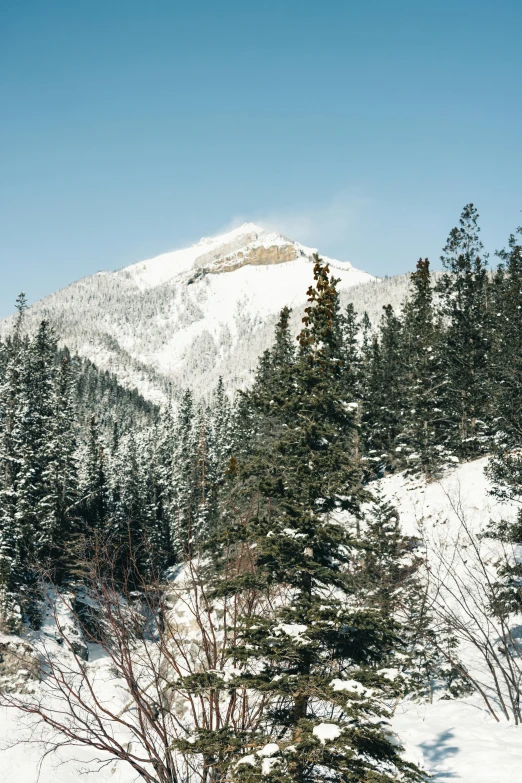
(167, 266)
(247, 245)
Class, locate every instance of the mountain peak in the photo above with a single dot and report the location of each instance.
(246, 245)
(235, 233)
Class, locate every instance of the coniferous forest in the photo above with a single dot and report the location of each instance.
(311, 600)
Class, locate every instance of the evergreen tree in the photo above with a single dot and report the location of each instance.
(464, 290)
(14, 356)
(350, 352)
(423, 421)
(34, 422)
(505, 468)
(128, 522)
(13, 574)
(184, 473)
(58, 507)
(506, 359)
(317, 656)
(220, 423)
(165, 493)
(204, 489)
(274, 368)
(252, 422)
(391, 573)
(95, 488)
(384, 396)
(157, 495)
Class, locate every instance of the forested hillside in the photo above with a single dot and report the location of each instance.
(259, 516)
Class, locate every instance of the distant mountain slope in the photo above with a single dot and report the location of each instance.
(187, 317)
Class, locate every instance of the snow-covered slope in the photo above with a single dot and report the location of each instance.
(187, 317)
(456, 739)
(453, 740)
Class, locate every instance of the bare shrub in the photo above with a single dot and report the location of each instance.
(165, 656)
(466, 596)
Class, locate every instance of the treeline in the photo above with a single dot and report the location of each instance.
(82, 457)
(441, 380)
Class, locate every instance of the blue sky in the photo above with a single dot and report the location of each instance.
(131, 128)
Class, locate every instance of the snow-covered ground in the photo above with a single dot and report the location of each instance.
(24, 763)
(458, 740)
(455, 740)
(437, 505)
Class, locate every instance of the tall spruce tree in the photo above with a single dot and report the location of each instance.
(34, 423)
(316, 657)
(58, 509)
(505, 469)
(184, 475)
(129, 518)
(156, 499)
(13, 544)
(423, 377)
(94, 486)
(506, 352)
(220, 422)
(204, 480)
(464, 290)
(351, 353)
(384, 396)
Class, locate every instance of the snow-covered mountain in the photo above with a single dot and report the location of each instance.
(186, 317)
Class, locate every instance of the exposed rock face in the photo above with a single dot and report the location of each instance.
(227, 248)
(19, 666)
(258, 256)
(79, 648)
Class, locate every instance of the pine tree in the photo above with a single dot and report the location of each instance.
(162, 479)
(392, 570)
(58, 511)
(14, 356)
(505, 468)
(34, 431)
(384, 396)
(386, 563)
(316, 657)
(274, 368)
(464, 289)
(184, 474)
(204, 489)
(423, 421)
(156, 536)
(11, 542)
(506, 353)
(220, 419)
(128, 521)
(350, 352)
(94, 487)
